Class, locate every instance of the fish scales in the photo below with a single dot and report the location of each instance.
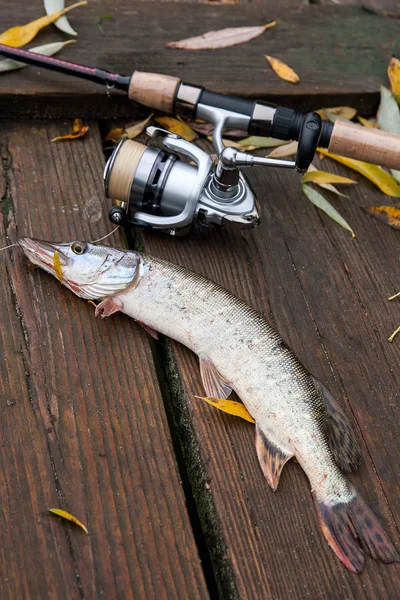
(295, 415)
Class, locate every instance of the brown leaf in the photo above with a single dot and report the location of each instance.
(282, 70)
(66, 515)
(388, 214)
(177, 126)
(78, 131)
(21, 35)
(221, 38)
(208, 128)
(394, 75)
(136, 129)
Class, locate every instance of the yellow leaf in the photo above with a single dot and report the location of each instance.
(394, 75)
(326, 186)
(391, 338)
(229, 406)
(115, 134)
(57, 266)
(21, 35)
(178, 127)
(388, 214)
(136, 129)
(346, 112)
(367, 123)
(377, 175)
(325, 177)
(283, 70)
(66, 515)
(393, 297)
(78, 131)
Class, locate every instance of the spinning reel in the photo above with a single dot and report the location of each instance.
(154, 188)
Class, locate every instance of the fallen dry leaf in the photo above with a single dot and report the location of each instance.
(208, 128)
(78, 131)
(9, 64)
(136, 129)
(322, 203)
(229, 406)
(221, 38)
(325, 177)
(254, 142)
(388, 214)
(284, 150)
(115, 135)
(221, 1)
(21, 35)
(394, 75)
(385, 182)
(368, 123)
(346, 112)
(57, 266)
(282, 70)
(62, 23)
(326, 186)
(66, 515)
(391, 338)
(178, 127)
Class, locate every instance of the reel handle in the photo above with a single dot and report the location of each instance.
(367, 144)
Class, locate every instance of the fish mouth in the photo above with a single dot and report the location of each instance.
(41, 253)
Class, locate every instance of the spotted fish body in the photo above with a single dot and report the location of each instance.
(295, 415)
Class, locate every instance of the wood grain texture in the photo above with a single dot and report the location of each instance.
(340, 53)
(326, 295)
(83, 425)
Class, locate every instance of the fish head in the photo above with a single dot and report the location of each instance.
(90, 271)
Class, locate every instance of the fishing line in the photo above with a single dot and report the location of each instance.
(105, 236)
(6, 247)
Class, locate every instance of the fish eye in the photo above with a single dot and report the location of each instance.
(79, 248)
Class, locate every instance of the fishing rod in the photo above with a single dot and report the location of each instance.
(154, 188)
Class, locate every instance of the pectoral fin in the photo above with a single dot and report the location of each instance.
(272, 458)
(149, 330)
(229, 406)
(108, 307)
(215, 384)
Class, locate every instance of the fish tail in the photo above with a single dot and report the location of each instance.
(351, 528)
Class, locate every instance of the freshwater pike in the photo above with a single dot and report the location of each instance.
(295, 415)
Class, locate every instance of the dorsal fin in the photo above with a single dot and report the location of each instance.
(215, 385)
(272, 457)
(340, 433)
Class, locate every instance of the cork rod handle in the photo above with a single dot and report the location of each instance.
(367, 144)
(153, 90)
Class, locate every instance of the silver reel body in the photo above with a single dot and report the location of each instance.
(153, 188)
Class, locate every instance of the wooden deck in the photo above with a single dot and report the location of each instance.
(99, 419)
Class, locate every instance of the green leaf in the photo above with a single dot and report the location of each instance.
(389, 118)
(320, 202)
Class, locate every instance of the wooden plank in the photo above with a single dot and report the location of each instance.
(340, 52)
(83, 423)
(325, 293)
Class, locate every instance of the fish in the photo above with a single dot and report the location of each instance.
(295, 415)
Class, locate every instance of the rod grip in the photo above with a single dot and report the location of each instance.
(153, 90)
(364, 143)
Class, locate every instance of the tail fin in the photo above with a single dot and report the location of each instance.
(346, 523)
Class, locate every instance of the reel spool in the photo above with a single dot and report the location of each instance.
(154, 188)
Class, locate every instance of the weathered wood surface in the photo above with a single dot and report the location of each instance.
(339, 52)
(83, 425)
(326, 294)
(83, 421)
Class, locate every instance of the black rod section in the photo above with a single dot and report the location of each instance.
(121, 82)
